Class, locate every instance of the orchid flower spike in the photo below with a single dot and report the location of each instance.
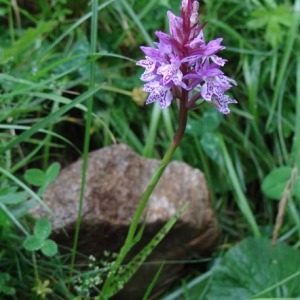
(183, 66)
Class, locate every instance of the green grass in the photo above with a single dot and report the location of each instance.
(76, 72)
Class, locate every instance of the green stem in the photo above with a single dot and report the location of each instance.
(35, 269)
(145, 198)
(157, 174)
(130, 238)
(93, 48)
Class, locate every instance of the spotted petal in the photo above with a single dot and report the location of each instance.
(170, 72)
(148, 64)
(158, 93)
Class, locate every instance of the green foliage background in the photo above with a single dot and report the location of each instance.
(248, 157)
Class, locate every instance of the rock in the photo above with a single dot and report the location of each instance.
(116, 179)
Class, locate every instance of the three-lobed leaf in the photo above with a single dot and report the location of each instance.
(39, 240)
(40, 178)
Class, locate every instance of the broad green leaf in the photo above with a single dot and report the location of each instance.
(35, 177)
(52, 172)
(33, 243)
(42, 228)
(253, 269)
(275, 182)
(49, 248)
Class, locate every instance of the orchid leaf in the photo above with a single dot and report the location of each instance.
(253, 269)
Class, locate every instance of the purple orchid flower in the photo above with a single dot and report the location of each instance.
(183, 66)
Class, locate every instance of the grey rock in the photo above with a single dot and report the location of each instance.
(116, 179)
